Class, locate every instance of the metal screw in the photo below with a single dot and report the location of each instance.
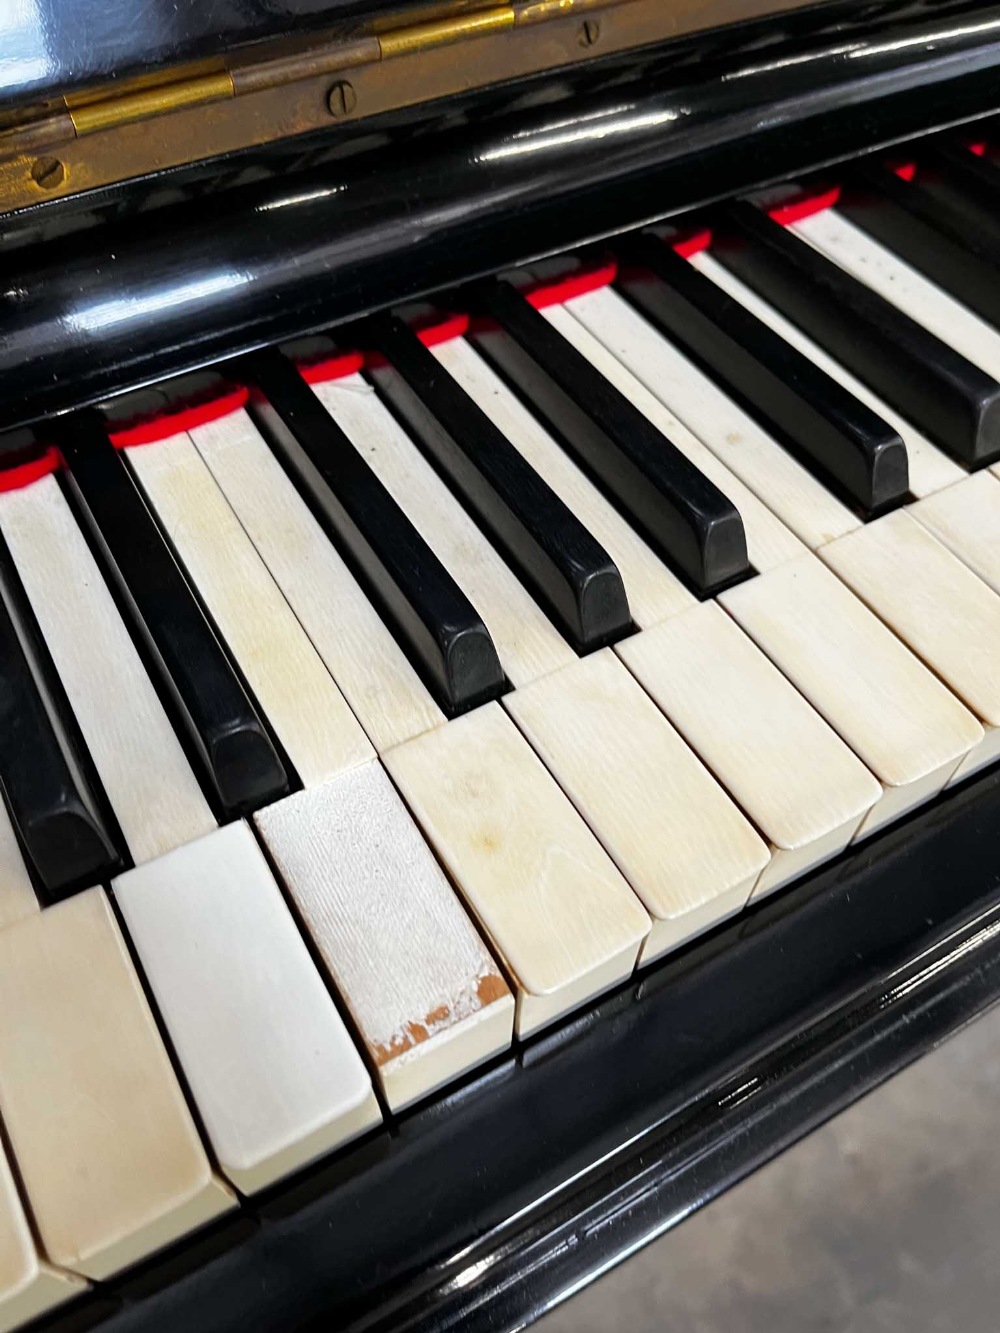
(342, 99)
(589, 32)
(48, 173)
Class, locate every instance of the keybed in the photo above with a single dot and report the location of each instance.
(387, 718)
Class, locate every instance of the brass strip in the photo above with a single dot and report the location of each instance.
(423, 36)
(328, 60)
(106, 115)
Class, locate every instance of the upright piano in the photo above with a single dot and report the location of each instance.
(499, 630)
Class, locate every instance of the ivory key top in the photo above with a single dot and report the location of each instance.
(966, 518)
(557, 910)
(424, 992)
(110, 1159)
(17, 897)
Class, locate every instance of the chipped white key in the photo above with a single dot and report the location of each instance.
(654, 592)
(17, 897)
(930, 467)
(387, 696)
(795, 778)
(769, 542)
(289, 681)
(155, 796)
(685, 848)
(936, 605)
(29, 1286)
(273, 1071)
(966, 518)
(108, 1153)
(555, 907)
(426, 996)
(528, 645)
(790, 491)
(896, 716)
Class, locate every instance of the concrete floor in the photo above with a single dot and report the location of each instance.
(886, 1220)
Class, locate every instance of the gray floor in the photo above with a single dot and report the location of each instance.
(886, 1220)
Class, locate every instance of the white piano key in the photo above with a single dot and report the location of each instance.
(966, 518)
(788, 489)
(155, 796)
(108, 1153)
(689, 854)
(17, 897)
(426, 996)
(29, 1286)
(529, 646)
(289, 681)
(924, 301)
(936, 605)
(896, 716)
(789, 771)
(556, 909)
(271, 1067)
(769, 542)
(930, 467)
(387, 696)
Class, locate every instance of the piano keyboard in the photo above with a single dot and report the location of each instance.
(386, 697)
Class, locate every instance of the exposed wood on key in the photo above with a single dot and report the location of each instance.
(108, 1153)
(387, 696)
(937, 605)
(552, 902)
(291, 685)
(895, 715)
(28, 1284)
(424, 992)
(17, 897)
(145, 773)
(795, 778)
(688, 852)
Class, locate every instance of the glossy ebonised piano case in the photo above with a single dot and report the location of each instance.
(496, 1200)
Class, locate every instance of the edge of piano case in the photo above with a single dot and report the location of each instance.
(483, 1209)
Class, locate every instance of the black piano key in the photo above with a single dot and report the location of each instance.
(840, 437)
(664, 495)
(567, 570)
(904, 216)
(431, 617)
(65, 837)
(240, 763)
(950, 399)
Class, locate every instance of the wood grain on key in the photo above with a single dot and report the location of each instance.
(896, 716)
(28, 1284)
(930, 467)
(290, 683)
(154, 794)
(654, 592)
(937, 606)
(108, 1153)
(17, 897)
(528, 645)
(271, 1067)
(423, 990)
(769, 542)
(798, 499)
(685, 848)
(795, 778)
(966, 518)
(552, 902)
(387, 696)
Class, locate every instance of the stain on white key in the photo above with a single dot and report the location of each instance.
(425, 994)
(550, 899)
(689, 853)
(108, 1153)
(272, 1069)
(792, 774)
(29, 1286)
(896, 716)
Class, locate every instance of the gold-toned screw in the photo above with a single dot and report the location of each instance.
(342, 99)
(48, 173)
(589, 32)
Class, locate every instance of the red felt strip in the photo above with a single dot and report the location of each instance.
(151, 429)
(455, 326)
(575, 284)
(797, 209)
(693, 244)
(332, 368)
(978, 148)
(25, 473)
(906, 170)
